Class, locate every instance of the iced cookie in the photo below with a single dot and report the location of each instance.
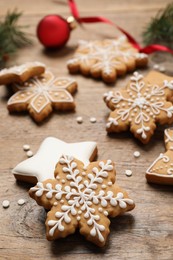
(106, 59)
(40, 95)
(142, 104)
(161, 170)
(42, 165)
(20, 74)
(81, 197)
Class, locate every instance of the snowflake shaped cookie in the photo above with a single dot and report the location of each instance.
(161, 170)
(40, 95)
(142, 104)
(106, 59)
(81, 197)
(21, 73)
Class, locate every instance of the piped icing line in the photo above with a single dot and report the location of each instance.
(165, 160)
(142, 104)
(19, 70)
(40, 93)
(78, 194)
(168, 137)
(107, 56)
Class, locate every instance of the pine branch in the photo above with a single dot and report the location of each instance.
(160, 29)
(12, 36)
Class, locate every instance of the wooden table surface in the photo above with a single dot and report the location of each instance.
(144, 233)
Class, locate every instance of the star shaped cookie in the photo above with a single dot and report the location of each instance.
(161, 170)
(106, 59)
(40, 95)
(81, 197)
(42, 165)
(21, 73)
(142, 104)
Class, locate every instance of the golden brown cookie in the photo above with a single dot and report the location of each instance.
(81, 197)
(106, 59)
(20, 74)
(142, 104)
(40, 95)
(161, 170)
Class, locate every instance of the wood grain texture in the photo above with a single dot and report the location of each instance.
(146, 232)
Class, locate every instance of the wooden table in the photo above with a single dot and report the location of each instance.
(144, 233)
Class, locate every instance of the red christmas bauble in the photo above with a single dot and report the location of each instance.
(53, 31)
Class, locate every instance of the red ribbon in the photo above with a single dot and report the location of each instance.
(100, 19)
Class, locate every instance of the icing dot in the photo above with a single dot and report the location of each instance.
(133, 96)
(157, 98)
(26, 147)
(5, 204)
(57, 177)
(56, 94)
(79, 212)
(79, 120)
(93, 120)
(136, 154)
(103, 186)
(29, 153)
(21, 202)
(84, 168)
(152, 99)
(61, 201)
(55, 203)
(128, 173)
(63, 181)
(62, 96)
(105, 213)
(110, 183)
(135, 110)
(84, 173)
(78, 218)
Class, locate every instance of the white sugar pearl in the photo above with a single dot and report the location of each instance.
(26, 147)
(29, 153)
(5, 203)
(156, 66)
(93, 120)
(162, 69)
(21, 202)
(128, 173)
(136, 154)
(79, 120)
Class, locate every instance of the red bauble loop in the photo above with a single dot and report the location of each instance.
(53, 31)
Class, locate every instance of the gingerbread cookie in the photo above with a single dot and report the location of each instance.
(42, 165)
(142, 104)
(81, 197)
(20, 74)
(161, 170)
(40, 95)
(106, 59)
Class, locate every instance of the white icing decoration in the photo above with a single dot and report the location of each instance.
(107, 55)
(42, 164)
(79, 196)
(140, 102)
(41, 93)
(18, 70)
